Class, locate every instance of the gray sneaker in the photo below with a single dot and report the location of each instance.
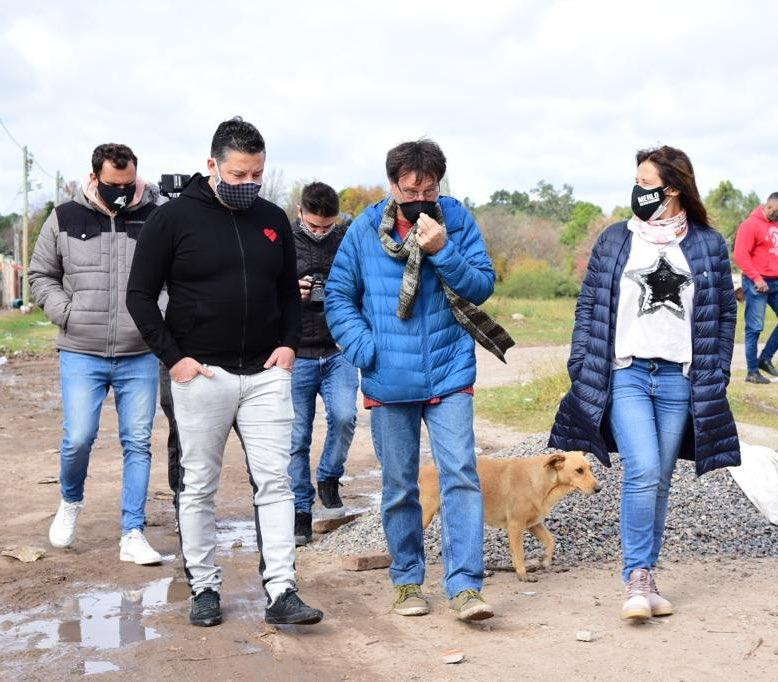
(756, 378)
(470, 605)
(768, 367)
(410, 601)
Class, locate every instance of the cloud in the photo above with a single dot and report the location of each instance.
(514, 92)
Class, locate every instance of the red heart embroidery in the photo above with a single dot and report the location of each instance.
(271, 234)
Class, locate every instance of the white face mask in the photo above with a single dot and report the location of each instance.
(315, 235)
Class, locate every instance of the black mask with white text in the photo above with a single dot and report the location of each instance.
(645, 202)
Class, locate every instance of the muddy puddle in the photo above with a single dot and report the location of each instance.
(98, 618)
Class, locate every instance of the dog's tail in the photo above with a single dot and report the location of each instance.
(429, 493)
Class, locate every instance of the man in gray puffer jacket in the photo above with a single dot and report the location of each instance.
(78, 275)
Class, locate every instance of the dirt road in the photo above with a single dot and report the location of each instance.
(81, 611)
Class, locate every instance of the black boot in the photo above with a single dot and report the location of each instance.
(303, 532)
(767, 366)
(756, 378)
(289, 609)
(206, 610)
(328, 493)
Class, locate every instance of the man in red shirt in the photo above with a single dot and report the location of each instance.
(756, 252)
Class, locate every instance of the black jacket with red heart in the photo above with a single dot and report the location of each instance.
(231, 277)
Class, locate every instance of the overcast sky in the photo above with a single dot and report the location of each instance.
(513, 91)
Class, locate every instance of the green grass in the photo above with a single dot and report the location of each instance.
(31, 333)
(547, 322)
(532, 407)
(753, 404)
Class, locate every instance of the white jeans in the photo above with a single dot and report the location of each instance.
(261, 407)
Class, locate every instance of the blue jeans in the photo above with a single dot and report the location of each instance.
(396, 433)
(85, 380)
(649, 409)
(756, 307)
(336, 381)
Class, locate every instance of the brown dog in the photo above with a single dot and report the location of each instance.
(518, 495)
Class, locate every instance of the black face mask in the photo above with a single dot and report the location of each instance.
(116, 198)
(772, 217)
(645, 202)
(413, 209)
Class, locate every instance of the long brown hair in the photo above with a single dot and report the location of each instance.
(677, 172)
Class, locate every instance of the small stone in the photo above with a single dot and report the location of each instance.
(453, 656)
(584, 636)
(365, 562)
(237, 544)
(518, 317)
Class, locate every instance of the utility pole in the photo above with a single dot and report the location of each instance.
(57, 187)
(26, 225)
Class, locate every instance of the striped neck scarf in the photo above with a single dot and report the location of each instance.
(475, 321)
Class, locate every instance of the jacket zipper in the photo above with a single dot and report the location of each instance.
(685, 248)
(113, 284)
(615, 281)
(245, 290)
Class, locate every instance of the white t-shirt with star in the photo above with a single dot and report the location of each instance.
(655, 305)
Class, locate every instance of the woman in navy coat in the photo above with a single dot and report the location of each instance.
(650, 358)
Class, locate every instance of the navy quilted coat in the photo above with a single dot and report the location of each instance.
(581, 423)
(430, 354)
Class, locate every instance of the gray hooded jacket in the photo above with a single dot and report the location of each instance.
(79, 271)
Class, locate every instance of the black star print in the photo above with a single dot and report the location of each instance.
(660, 287)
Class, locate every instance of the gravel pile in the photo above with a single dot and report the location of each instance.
(709, 516)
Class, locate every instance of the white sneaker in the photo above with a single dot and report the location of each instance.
(134, 547)
(62, 531)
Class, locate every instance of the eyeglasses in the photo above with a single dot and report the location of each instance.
(412, 194)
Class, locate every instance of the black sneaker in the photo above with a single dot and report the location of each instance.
(303, 531)
(205, 609)
(289, 609)
(767, 366)
(756, 378)
(328, 493)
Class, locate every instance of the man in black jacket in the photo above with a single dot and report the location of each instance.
(320, 368)
(229, 338)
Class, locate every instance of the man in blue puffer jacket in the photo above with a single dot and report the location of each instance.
(394, 308)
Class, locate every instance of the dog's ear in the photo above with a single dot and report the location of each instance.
(556, 461)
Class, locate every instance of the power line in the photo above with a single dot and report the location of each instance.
(42, 169)
(8, 132)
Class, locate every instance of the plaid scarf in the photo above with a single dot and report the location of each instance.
(477, 323)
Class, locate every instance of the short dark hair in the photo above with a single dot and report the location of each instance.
(772, 197)
(236, 135)
(320, 199)
(120, 156)
(423, 157)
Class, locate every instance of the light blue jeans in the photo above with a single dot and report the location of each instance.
(649, 409)
(396, 437)
(85, 380)
(336, 381)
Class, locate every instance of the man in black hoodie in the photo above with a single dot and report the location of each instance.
(229, 338)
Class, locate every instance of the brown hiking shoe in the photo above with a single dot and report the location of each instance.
(637, 606)
(410, 601)
(470, 605)
(659, 605)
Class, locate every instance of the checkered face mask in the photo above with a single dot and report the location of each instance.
(240, 196)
